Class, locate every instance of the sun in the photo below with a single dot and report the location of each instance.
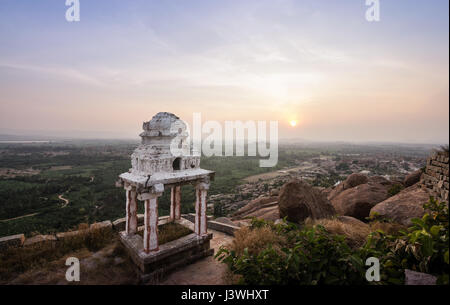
(293, 123)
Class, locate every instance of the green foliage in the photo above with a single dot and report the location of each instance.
(312, 257)
(395, 189)
(423, 248)
(327, 180)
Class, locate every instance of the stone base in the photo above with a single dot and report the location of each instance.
(154, 266)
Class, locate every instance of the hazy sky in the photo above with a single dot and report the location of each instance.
(318, 62)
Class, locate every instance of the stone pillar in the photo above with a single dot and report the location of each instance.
(200, 226)
(151, 218)
(131, 210)
(177, 208)
(151, 225)
(172, 203)
(175, 203)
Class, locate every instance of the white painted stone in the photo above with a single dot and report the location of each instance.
(164, 157)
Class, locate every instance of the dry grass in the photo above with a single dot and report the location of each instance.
(255, 240)
(170, 231)
(15, 261)
(355, 233)
(387, 227)
(109, 266)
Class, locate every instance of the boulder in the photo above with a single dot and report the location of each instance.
(351, 221)
(352, 180)
(412, 178)
(357, 201)
(404, 206)
(355, 179)
(254, 206)
(298, 200)
(381, 180)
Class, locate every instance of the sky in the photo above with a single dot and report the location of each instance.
(318, 63)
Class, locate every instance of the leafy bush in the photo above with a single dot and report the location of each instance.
(423, 248)
(311, 256)
(279, 254)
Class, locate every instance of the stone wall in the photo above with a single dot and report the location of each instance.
(19, 240)
(435, 178)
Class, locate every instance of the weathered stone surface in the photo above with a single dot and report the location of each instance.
(225, 220)
(256, 208)
(298, 200)
(274, 192)
(227, 228)
(412, 178)
(119, 224)
(351, 220)
(71, 234)
(154, 266)
(381, 181)
(39, 239)
(255, 205)
(357, 201)
(419, 278)
(11, 241)
(101, 225)
(355, 179)
(404, 206)
(352, 180)
(436, 176)
(221, 224)
(191, 217)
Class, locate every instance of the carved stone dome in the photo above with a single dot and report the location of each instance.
(164, 148)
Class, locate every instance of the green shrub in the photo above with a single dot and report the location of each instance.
(312, 257)
(423, 248)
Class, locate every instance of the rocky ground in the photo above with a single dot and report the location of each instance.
(111, 266)
(359, 196)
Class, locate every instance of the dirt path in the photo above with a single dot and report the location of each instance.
(18, 217)
(66, 201)
(207, 271)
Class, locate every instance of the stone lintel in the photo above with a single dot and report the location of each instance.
(171, 178)
(148, 196)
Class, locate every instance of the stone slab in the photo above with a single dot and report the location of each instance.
(39, 239)
(12, 241)
(170, 255)
(101, 225)
(419, 278)
(214, 225)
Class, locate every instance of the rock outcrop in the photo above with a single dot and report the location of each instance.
(412, 178)
(355, 179)
(352, 180)
(263, 207)
(404, 206)
(357, 201)
(298, 200)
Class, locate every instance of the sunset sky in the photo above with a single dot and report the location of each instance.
(319, 63)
